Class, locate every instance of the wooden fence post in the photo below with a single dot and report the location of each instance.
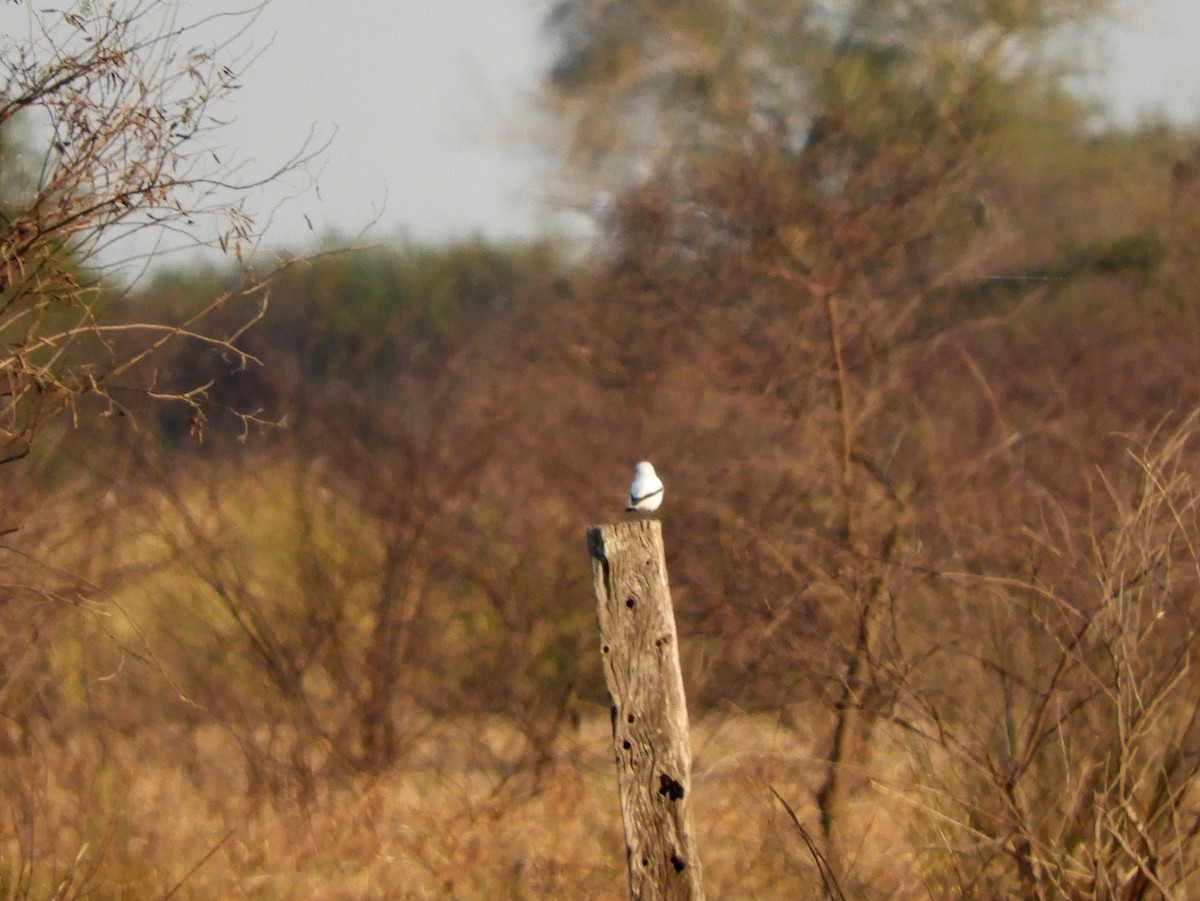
(640, 652)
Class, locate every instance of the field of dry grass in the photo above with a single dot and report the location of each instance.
(143, 765)
(141, 815)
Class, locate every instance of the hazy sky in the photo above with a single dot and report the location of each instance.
(423, 94)
(419, 95)
(1154, 55)
(423, 91)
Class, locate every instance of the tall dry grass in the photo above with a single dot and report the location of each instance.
(168, 810)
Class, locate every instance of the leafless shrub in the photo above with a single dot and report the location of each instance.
(126, 97)
(1054, 722)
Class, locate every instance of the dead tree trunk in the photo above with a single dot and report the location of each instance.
(649, 712)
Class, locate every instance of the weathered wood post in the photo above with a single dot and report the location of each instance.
(640, 653)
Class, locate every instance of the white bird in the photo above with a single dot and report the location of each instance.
(646, 492)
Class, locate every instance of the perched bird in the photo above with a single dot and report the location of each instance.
(646, 492)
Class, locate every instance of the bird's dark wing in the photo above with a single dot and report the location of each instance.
(638, 500)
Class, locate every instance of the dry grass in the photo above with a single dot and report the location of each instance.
(136, 816)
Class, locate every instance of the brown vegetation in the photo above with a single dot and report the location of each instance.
(922, 390)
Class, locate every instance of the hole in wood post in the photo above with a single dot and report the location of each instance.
(645, 861)
(669, 787)
(626, 745)
(677, 863)
(630, 602)
(631, 718)
(604, 650)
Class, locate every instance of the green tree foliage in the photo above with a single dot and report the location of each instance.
(345, 334)
(363, 316)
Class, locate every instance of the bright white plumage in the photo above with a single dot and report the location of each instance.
(646, 492)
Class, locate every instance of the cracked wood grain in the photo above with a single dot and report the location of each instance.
(640, 653)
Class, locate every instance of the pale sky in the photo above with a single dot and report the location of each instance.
(420, 97)
(423, 92)
(1154, 58)
(424, 96)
